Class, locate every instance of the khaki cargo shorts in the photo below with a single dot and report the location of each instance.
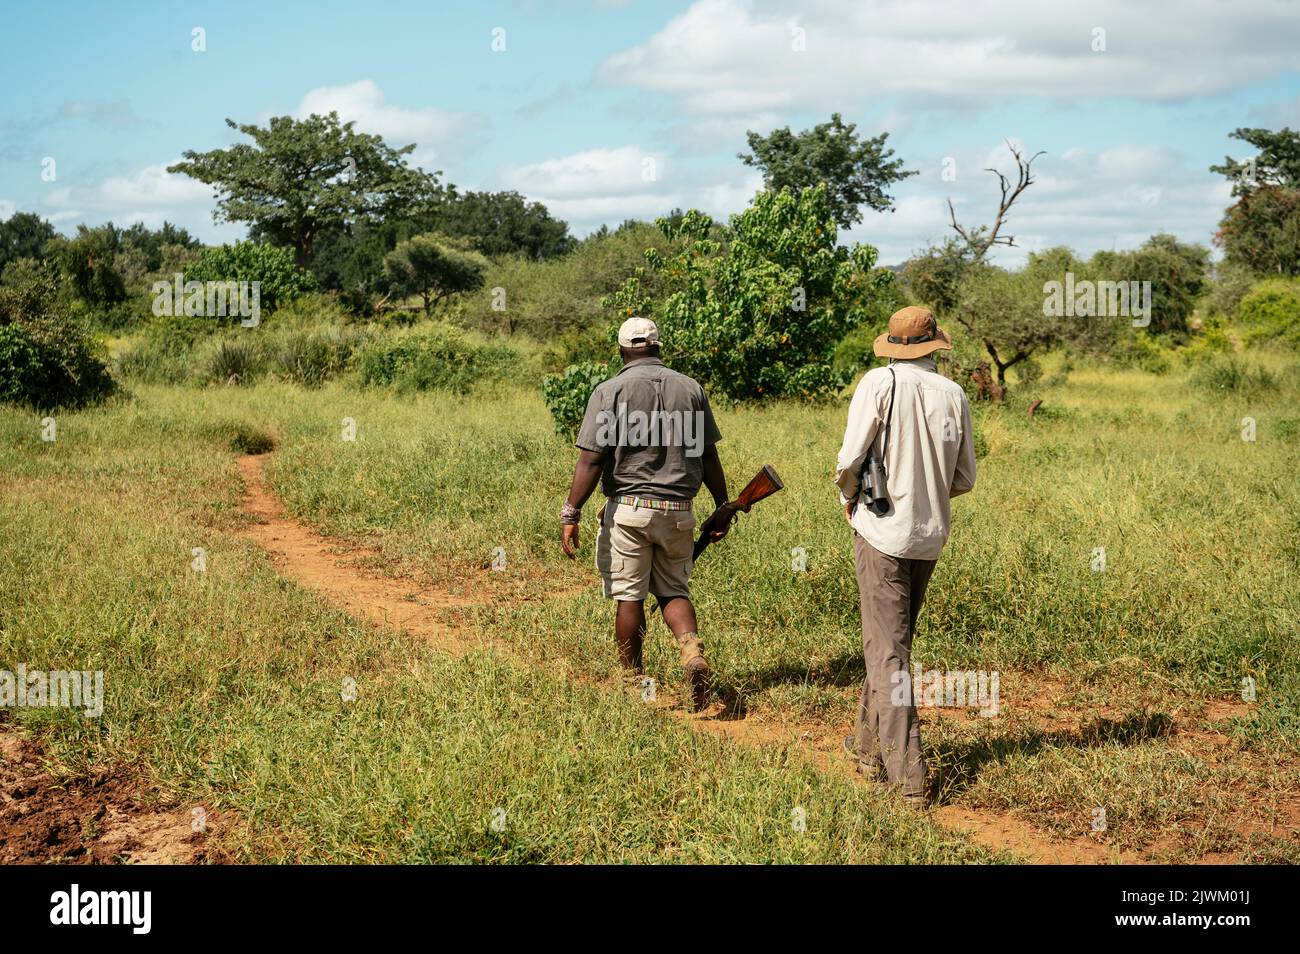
(641, 551)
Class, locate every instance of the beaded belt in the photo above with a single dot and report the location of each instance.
(652, 504)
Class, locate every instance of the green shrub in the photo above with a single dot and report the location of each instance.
(310, 357)
(562, 295)
(131, 313)
(1140, 350)
(566, 394)
(576, 347)
(312, 309)
(164, 353)
(1230, 285)
(980, 441)
(46, 359)
(272, 266)
(1212, 340)
(20, 365)
(855, 352)
(1271, 312)
(760, 315)
(231, 362)
(1028, 373)
(1233, 376)
(431, 358)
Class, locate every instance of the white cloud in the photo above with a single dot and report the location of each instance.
(111, 113)
(7, 209)
(434, 132)
(150, 195)
(606, 186)
(152, 186)
(60, 197)
(596, 172)
(738, 58)
(1087, 199)
(727, 198)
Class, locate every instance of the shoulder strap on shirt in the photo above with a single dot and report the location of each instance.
(889, 419)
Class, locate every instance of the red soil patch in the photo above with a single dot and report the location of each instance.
(94, 820)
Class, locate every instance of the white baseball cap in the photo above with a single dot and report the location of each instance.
(638, 331)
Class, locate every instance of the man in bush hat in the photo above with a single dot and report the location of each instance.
(650, 439)
(908, 448)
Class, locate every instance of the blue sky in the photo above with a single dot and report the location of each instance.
(609, 110)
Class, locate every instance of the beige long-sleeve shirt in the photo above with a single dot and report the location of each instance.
(930, 457)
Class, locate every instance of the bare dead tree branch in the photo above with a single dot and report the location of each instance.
(976, 239)
(959, 230)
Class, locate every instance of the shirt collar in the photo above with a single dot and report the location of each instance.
(639, 362)
(925, 362)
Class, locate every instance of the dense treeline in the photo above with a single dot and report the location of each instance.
(356, 245)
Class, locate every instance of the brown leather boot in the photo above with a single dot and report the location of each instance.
(696, 668)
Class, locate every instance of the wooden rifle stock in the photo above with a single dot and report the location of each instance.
(764, 485)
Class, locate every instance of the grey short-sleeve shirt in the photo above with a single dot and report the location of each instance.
(653, 425)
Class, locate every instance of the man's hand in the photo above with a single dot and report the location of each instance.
(849, 507)
(585, 475)
(716, 533)
(569, 539)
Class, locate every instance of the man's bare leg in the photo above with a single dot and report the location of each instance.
(679, 614)
(629, 630)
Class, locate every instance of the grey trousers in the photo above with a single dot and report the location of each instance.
(890, 592)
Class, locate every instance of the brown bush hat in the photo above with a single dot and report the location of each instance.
(913, 332)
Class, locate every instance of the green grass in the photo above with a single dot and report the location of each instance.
(225, 687)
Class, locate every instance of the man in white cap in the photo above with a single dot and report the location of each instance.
(650, 439)
(914, 425)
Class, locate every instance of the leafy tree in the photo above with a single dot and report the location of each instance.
(561, 298)
(351, 262)
(503, 223)
(154, 246)
(1262, 231)
(855, 171)
(24, 271)
(934, 276)
(760, 315)
(88, 261)
(1277, 164)
(23, 235)
(1005, 312)
(856, 350)
(497, 224)
(1176, 270)
(433, 267)
(300, 179)
(106, 266)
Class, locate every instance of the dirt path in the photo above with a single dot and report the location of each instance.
(329, 567)
(332, 569)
